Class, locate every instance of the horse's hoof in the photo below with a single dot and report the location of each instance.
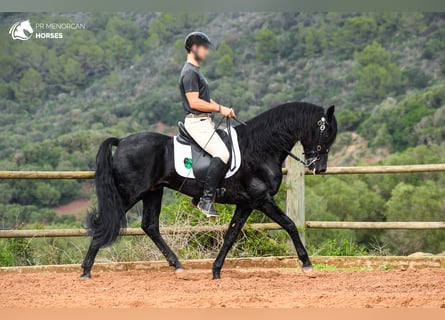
(309, 272)
(180, 273)
(216, 276)
(85, 276)
(179, 270)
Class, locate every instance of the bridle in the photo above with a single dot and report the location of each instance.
(313, 155)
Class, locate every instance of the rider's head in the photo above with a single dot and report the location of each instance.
(198, 44)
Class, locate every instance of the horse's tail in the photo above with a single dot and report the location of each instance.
(105, 222)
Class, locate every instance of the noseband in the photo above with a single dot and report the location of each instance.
(313, 155)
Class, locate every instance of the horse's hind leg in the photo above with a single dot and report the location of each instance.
(95, 244)
(150, 224)
(88, 262)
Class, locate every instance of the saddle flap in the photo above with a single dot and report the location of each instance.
(183, 137)
(189, 155)
(201, 159)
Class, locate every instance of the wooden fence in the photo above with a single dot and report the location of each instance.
(416, 168)
(295, 202)
(44, 233)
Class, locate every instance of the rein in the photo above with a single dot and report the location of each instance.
(229, 133)
(303, 162)
(321, 125)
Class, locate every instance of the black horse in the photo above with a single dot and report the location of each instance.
(143, 165)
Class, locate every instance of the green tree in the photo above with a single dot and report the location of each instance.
(123, 27)
(167, 26)
(54, 68)
(118, 50)
(411, 203)
(376, 74)
(44, 153)
(266, 45)
(373, 82)
(224, 66)
(31, 57)
(313, 40)
(160, 30)
(179, 52)
(92, 59)
(8, 66)
(373, 53)
(430, 129)
(355, 34)
(225, 63)
(6, 193)
(47, 195)
(72, 75)
(353, 200)
(399, 121)
(350, 120)
(6, 90)
(422, 154)
(98, 21)
(30, 86)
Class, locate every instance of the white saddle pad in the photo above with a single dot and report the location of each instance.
(183, 152)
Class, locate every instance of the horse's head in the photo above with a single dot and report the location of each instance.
(316, 146)
(26, 25)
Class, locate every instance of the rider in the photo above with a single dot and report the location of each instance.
(199, 110)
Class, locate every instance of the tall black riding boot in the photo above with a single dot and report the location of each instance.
(215, 173)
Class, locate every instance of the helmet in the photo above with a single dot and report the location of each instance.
(198, 38)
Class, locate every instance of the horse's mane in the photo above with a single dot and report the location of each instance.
(278, 128)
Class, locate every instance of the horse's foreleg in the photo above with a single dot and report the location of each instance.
(236, 224)
(150, 224)
(271, 209)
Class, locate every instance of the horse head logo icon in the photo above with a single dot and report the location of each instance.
(21, 30)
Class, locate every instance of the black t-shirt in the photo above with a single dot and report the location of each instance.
(192, 80)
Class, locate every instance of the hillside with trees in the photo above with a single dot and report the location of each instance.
(385, 72)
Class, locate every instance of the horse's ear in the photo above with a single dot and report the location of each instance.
(330, 113)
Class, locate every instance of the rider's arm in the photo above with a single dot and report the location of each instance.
(201, 105)
(204, 106)
(191, 88)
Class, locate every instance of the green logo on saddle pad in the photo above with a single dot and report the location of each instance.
(188, 163)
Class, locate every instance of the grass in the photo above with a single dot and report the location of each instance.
(386, 267)
(325, 267)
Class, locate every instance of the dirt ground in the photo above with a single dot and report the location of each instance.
(77, 206)
(270, 288)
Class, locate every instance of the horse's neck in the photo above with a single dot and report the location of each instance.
(277, 147)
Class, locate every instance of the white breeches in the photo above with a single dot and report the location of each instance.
(202, 129)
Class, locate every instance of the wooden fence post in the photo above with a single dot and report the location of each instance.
(295, 192)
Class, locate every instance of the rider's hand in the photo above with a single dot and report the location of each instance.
(227, 112)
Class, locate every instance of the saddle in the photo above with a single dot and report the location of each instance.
(200, 160)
